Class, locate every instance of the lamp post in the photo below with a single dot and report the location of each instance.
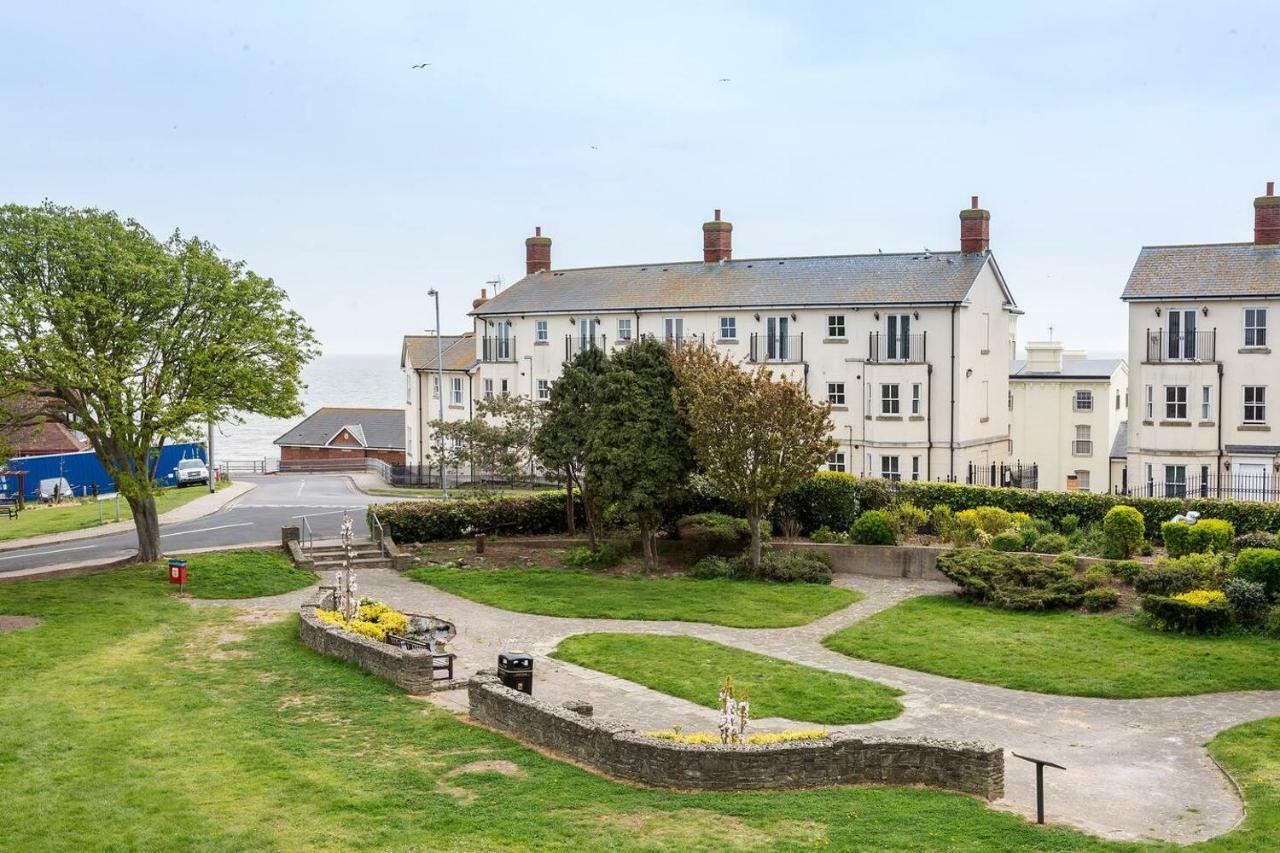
(532, 401)
(435, 294)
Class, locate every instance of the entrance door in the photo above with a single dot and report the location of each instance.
(1250, 481)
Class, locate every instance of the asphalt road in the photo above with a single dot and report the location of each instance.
(278, 500)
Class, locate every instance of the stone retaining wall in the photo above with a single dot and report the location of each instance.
(838, 759)
(408, 669)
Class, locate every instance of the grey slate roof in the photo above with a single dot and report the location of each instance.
(893, 279)
(1225, 269)
(381, 429)
(1080, 368)
(1120, 446)
(459, 351)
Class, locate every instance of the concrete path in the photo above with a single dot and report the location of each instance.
(1137, 769)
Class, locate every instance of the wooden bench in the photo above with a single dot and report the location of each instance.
(9, 507)
(440, 661)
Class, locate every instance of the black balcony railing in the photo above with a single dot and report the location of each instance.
(498, 349)
(675, 341)
(1236, 487)
(1163, 347)
(574, 344)
(906, 349)
(1082, 448)
(783, 349)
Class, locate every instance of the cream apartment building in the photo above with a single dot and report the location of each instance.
(911, 349)
(1204, 372)
(1067, 410)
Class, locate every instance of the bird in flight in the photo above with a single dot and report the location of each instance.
(595, 147)
(422, 65)
(724, 79)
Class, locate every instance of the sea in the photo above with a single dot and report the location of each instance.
(357, 381)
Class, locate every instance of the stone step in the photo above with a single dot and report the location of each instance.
(359, 563)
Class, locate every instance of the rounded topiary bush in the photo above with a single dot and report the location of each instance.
(1261, 565)
(795, 567)
(1248, 600)
(1123, 530)
(1258, 539)
(874, 527)
(1009, 540)
(1206, 535)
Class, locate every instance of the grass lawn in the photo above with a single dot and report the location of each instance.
(243, 574)
(35, 521)
(694, 669)
(133, 721)
(560, 592)
(1066, 653)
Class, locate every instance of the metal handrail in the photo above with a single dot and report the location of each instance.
(379, 534)
(308, 537)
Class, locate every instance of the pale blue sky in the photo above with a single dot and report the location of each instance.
(296, 136)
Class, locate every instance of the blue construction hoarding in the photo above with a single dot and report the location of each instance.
(83, 470)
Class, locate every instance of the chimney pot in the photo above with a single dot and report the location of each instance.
(1266, 217)
(718, 209)
(717, 240)
(975, 228)
(537, 252)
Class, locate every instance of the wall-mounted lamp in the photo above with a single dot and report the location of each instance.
(877, 315)
(793, 315)
(968, 373)
(1157, 310)
(757, 318)
(1276, 465)
(572, 322)
(1205, 311)
(1227, 465)
(915, 315)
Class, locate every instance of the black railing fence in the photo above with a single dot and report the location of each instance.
(1164, 346)
(1236, 487)
(907, 349)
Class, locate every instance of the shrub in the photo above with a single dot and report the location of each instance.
(980, 523)
(1197, 612)
(798, 566)
(873, 527)
(1122, 530)
(1272, 625)
(940, 519)
(1171, 576)
(606, 556)
(1125, 570)
(1207, 534)
(1050, 543)
(1009, 540)
(432, 521)
(1248, 600)
(1069, 523)
(910, 518)
(1066, 560)
(828, 499)
(714, 568)
(1011, 581)
(1261, 565)
(1259, 539)
(825, 534)
(1097, 575)
(716, 533)
(1100, 598)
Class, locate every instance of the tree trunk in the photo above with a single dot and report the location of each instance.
(570, 522)
(753, 521)
(647, 537)
(147, 523)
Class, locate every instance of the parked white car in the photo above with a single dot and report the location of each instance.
(191, 472)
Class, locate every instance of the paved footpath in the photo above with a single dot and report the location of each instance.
(1137, 768)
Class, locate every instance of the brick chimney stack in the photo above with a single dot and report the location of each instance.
(717, 240)
(1266, 217)
(537, 252)
(484, 297)
(975, 228)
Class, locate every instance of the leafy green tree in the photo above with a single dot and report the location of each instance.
(135, 341)
(561, 442)
(638, 454)
(497, 443)
(754, 436)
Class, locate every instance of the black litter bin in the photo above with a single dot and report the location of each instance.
(515, 670)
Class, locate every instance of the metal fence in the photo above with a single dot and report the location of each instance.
(1236, 487)
(1163, 346)
(906, 349)
(1000, 475)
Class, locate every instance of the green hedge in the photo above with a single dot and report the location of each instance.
(836, 504)
(1172, 614)
(1206, 535)
(1012, 581)
(433, 521)
(1260, 565)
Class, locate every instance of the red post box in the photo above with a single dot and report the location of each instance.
(178, 572)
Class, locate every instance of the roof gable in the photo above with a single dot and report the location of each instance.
(422, 351)
(377, 429)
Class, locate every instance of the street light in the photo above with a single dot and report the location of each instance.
(435, 294)
(532, 401)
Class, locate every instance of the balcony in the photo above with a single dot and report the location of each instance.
(676, 341)
(897, 349)
(1183, 348)
(574, 344)
(498, 349)
(1082, 448)
(776, 349)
